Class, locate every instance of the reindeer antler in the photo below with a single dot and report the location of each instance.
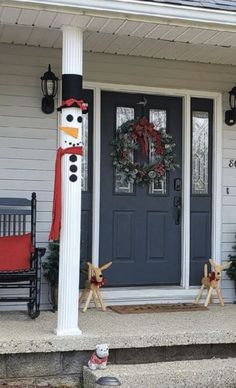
(105, 266)
(90, 270)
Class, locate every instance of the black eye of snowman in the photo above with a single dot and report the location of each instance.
(80, 119)
(69, 118)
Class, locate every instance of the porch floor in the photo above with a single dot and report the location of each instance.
(20, 334)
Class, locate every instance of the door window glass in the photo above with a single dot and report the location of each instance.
(200, 152)
(84, 166)
(158, 117)
(123, 114)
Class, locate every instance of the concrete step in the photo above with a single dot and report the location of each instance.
(215, 373)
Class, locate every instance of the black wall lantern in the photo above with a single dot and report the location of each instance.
(49, 85)
(230, 115)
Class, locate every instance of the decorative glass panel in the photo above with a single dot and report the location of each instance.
(158, 118)
(200, 152)
(84, 166)
(123, 114)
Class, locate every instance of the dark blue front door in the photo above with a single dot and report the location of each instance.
(140, 227)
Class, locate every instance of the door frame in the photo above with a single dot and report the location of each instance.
(186, 172)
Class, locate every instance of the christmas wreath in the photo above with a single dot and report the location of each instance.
(157, 150)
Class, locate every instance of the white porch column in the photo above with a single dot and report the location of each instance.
(69, 270)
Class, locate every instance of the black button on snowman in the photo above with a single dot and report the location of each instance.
(73, 168)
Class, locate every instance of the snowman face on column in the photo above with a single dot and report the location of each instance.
(71, 127)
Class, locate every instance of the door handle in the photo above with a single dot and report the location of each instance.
(177, 205)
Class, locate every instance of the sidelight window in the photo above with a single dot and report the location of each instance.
(200, 152)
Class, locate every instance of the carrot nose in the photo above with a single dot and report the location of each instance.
(71, 131)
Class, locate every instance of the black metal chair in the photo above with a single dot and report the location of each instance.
(17, 217)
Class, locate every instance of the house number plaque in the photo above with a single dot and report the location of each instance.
(232, 163)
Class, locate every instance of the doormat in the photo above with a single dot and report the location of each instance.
(157, 308)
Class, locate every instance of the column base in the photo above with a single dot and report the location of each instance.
(65, 332)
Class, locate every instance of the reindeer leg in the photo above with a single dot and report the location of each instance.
(199, 295)
(212, 300)
(100, 300)
(208, 297)
(95, 299)
(83, 295)
(218, 291)
(88, 301)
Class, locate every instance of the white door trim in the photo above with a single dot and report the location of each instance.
(185, 222)
(217, 179)
(96, 176)
(185, 229)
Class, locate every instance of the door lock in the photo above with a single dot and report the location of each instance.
(177, 184)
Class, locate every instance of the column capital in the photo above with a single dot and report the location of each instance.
(68, 28)
(72, 50)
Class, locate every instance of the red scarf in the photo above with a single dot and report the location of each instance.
(94, 359)
(98, 284)
(56, 212)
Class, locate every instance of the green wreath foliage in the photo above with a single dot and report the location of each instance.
(141, 135)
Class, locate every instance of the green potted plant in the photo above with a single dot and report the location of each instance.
(51, 271)
(231, 271)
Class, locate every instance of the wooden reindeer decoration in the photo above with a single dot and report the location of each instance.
(92, 286)
(211, 282)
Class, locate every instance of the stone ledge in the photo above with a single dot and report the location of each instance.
(34, 364)
(40, 365)
(62, 381)
(19, 334)
(190, 374)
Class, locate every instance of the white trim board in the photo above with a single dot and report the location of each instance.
(147, 295)
(138, 10)
(143, 295)
(185, 221)
(96, 177)
(185, 228)
(217, 179)
(128, 295)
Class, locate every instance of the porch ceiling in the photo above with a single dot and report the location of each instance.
(39, 27)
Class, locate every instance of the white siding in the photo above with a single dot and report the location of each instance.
(28, 137)
(228, 200)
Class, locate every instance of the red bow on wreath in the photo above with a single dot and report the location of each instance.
(142, 131)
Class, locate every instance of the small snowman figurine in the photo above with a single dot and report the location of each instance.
(99, 358)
